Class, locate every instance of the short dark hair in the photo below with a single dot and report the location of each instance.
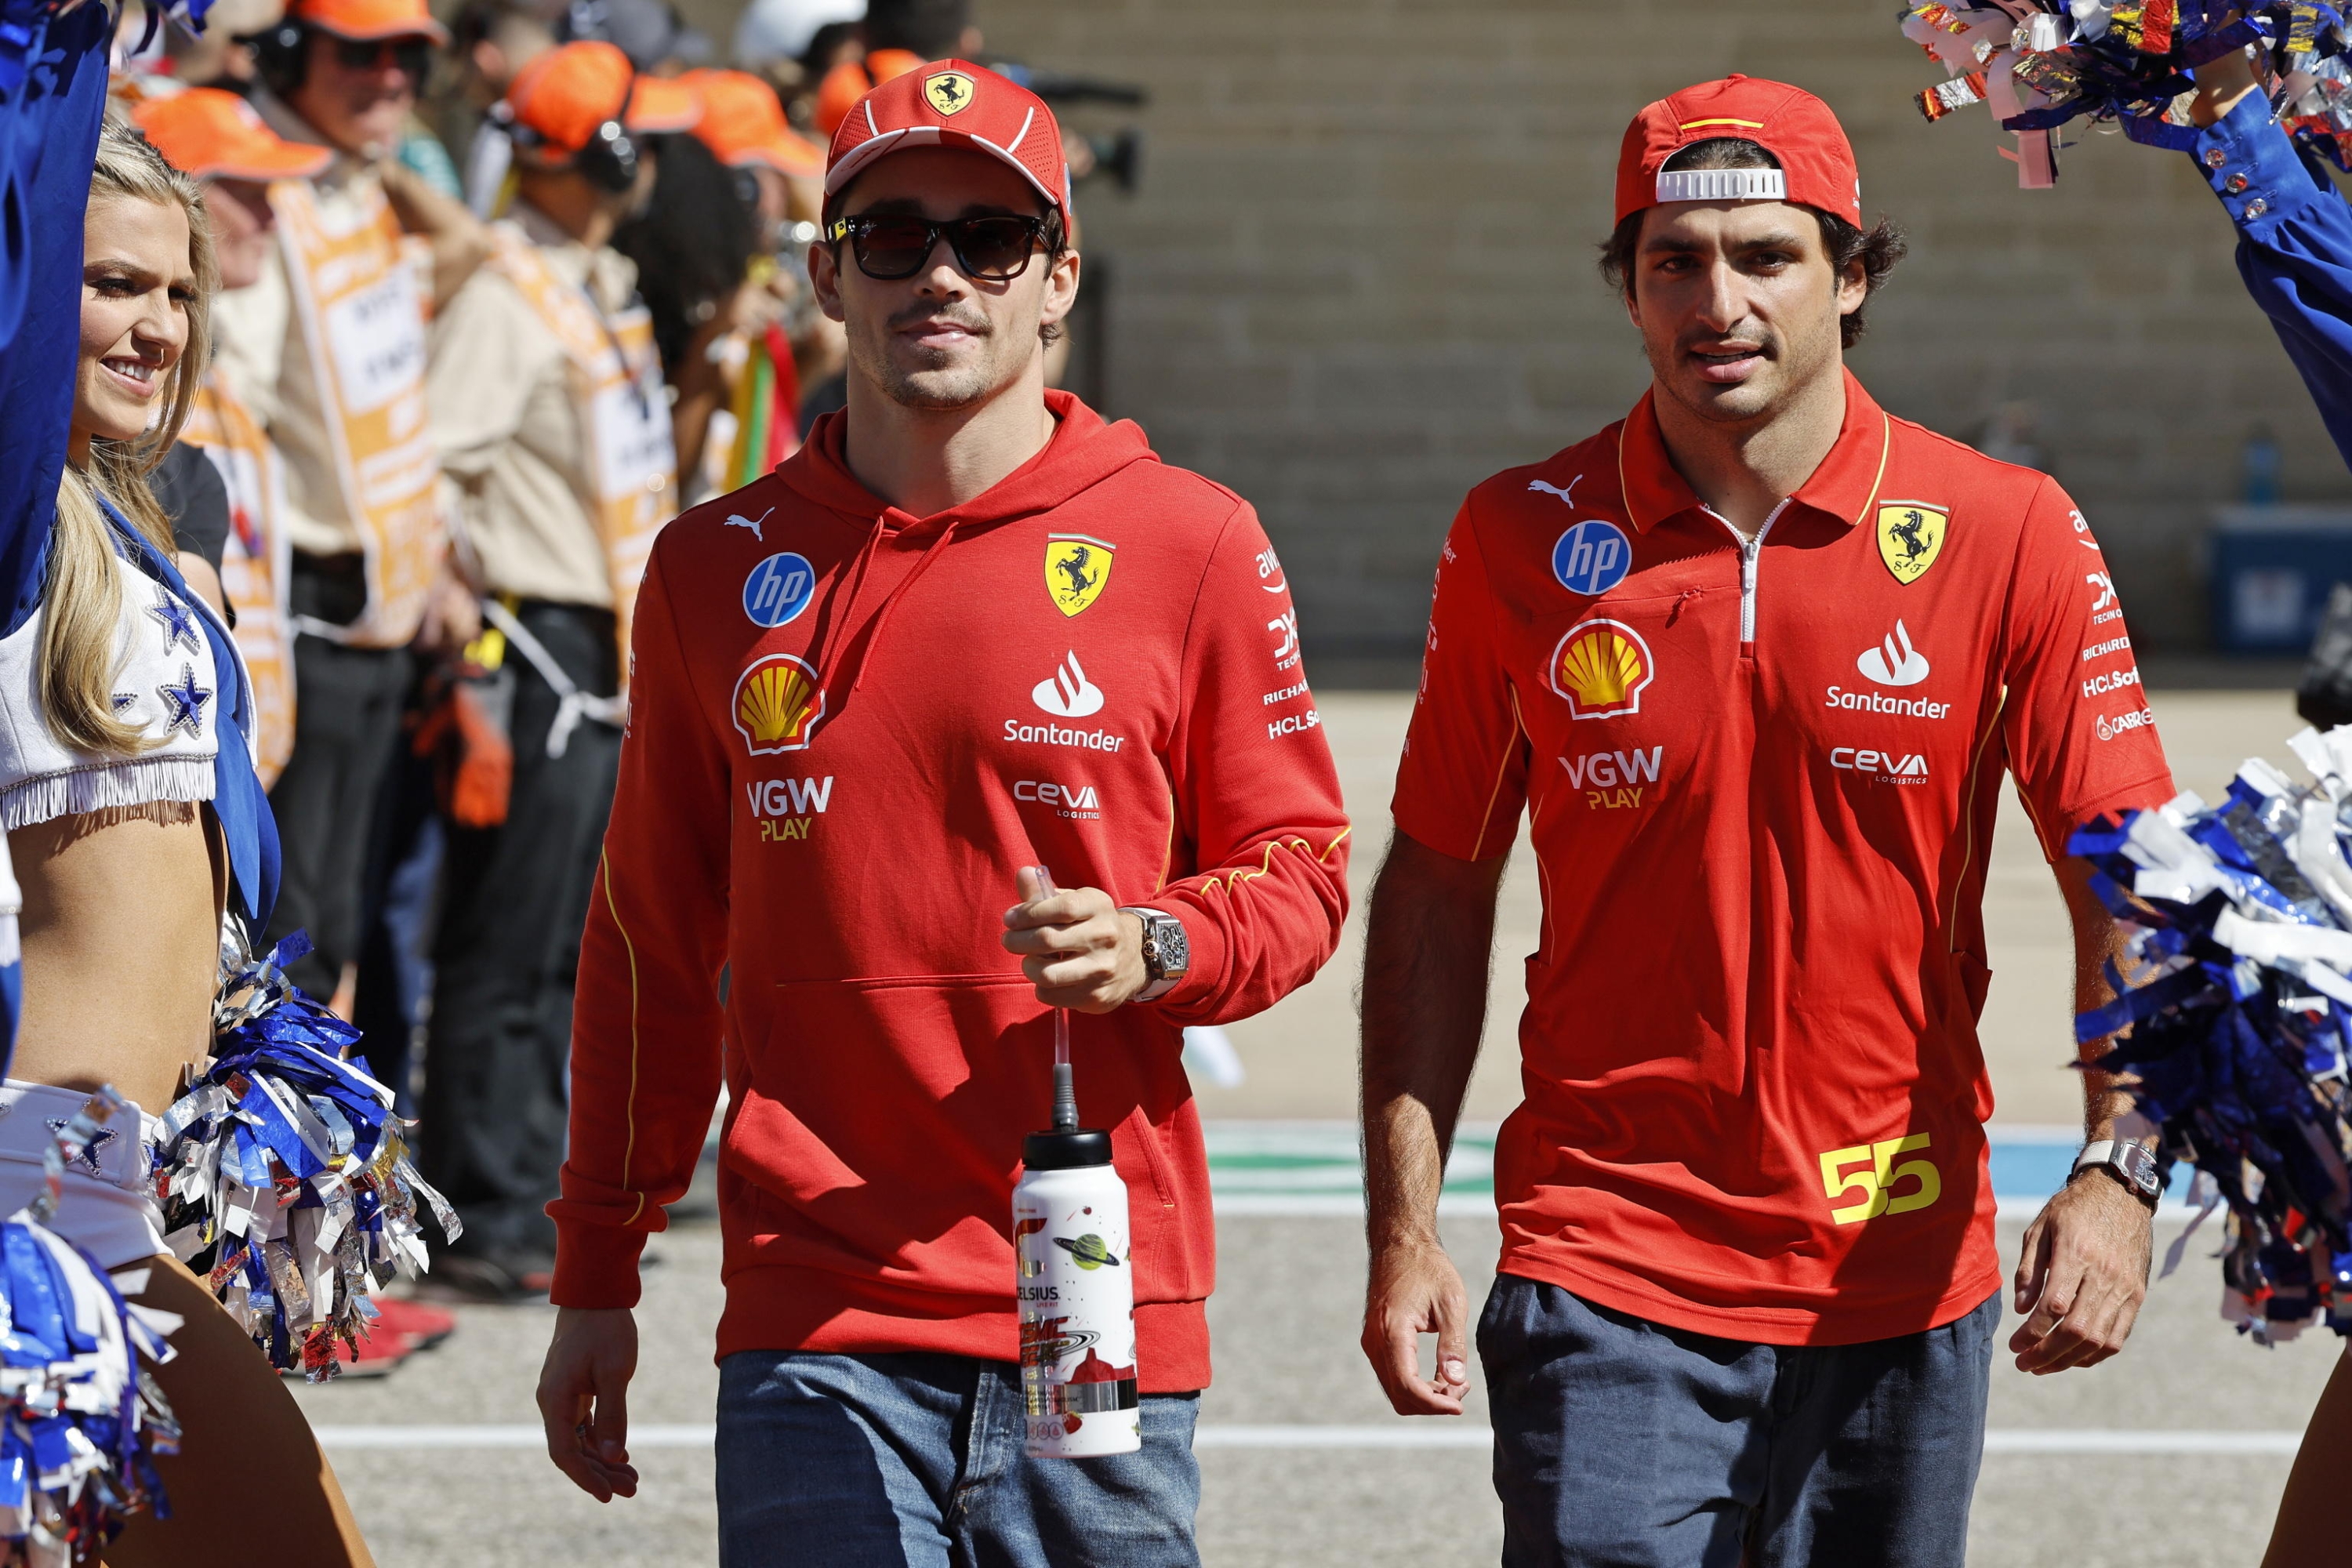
(1877, 250)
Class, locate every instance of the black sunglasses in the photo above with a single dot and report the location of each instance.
(893, 247)
(414, 56)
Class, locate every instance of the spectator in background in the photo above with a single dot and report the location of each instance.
(217, 138)
(546, 407)
(694, 246)
(368, 570)
(493, 39)
(791, 44)
(755, 356)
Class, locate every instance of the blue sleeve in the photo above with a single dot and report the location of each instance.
(2295, 249)
(49, 140)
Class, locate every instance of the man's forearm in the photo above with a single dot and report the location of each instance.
(1428, 942)
(2096, 942)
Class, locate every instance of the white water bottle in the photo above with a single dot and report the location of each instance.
(1076, 1286)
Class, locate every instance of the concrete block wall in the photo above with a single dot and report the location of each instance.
(1359, 275)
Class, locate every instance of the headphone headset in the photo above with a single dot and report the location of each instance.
(280, 56)
(608, 160)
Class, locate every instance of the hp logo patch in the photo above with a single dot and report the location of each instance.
(780, 588)
(1591, 557)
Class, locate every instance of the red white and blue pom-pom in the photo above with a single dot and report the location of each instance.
(80, 1415)
(285, 1175)
(2233, 1015)
(2041, 64)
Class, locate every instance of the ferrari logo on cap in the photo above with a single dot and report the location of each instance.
(1910, 537)
(1076, 567)
(950, 92)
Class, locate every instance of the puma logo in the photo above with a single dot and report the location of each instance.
(736, 519)
(1568, 496)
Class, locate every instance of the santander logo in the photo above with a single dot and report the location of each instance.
(1894, 662)
(1067, 693)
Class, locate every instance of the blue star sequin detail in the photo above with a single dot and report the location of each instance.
(179, 621)
(184, 700)
(88, 1155)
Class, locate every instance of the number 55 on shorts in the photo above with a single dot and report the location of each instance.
(1873, 1188)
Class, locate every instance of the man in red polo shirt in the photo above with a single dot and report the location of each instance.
(969, 627)
(1754, 659)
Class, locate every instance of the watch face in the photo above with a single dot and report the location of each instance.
(1175, 953)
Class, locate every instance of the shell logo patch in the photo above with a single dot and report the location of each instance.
(950, 92)
(778, 705)
(1910, 537)
(1076, 569)
(1601, 667)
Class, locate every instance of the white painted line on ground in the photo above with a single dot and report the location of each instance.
(1351, 1205)
(1416, 1435)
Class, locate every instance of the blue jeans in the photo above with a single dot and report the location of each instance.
(913, 1460)
(1621, 1443)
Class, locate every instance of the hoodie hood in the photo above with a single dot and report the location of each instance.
(1083, 452)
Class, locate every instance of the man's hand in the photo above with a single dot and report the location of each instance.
(1415, 1289)
(2082, 1276)
(453, 615)
(1077, 948)
(584, 1398)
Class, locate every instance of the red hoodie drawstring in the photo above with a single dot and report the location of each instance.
(836, 631)
(931, 552)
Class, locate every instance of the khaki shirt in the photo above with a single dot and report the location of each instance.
(262, 359)
(503, 413)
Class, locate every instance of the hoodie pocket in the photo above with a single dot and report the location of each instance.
(882, 1121)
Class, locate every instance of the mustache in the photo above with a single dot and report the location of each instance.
(916, 315)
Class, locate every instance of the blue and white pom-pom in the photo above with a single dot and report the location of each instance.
(80, 1416)
(2041, 64)
(2234, 1012)
(285, 1162)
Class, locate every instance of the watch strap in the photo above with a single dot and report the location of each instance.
(2128, 1162)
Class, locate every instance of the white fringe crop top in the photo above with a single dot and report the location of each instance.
(164, 685)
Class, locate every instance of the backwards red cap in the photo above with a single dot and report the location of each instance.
(1816, 168)
(953, 103)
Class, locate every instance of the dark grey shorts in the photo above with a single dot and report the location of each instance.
(1621, 1443)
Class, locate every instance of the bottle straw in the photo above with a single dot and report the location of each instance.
(1066, 1094)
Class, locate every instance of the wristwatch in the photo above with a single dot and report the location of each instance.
(2127, 1162)
(1167, 956)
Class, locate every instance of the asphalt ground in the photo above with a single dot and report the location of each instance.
(2172, 1454)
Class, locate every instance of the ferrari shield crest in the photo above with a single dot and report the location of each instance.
(1076, 567)
(950, 92)
(1910, 537)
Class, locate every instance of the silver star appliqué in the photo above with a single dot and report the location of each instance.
(88, 1155)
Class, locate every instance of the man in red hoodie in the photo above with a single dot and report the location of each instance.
(968, 629)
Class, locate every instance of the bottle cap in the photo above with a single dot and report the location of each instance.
(1066, 1151)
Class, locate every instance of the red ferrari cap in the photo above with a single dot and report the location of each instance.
(366, 19)
(1817, 167)
(953, 103)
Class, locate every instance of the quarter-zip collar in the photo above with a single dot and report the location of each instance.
(1840, 488)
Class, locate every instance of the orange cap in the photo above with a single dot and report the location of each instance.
(208, 134)
(850, 80)
(368, 18)
(566, 93)
(743, 122)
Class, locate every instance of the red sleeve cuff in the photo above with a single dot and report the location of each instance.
(595, 1265)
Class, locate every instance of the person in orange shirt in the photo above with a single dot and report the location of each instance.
(327, 351)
